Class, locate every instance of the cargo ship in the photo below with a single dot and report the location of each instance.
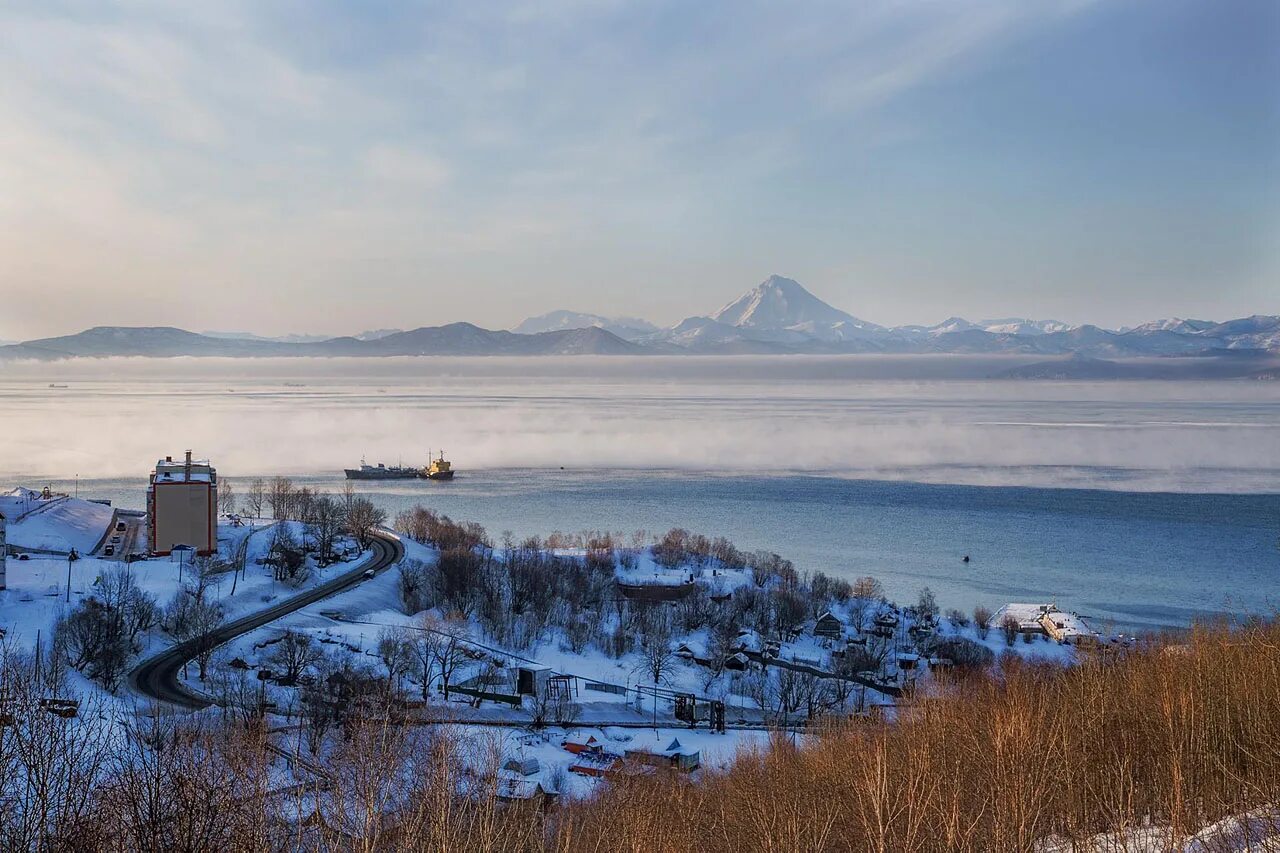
(439, 469)
(382, 472)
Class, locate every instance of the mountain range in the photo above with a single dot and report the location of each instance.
(777, 316)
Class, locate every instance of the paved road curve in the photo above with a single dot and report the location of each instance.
(157, 676)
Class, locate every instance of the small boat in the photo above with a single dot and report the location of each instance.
(439, 469)
(57, 386)
(381, 472)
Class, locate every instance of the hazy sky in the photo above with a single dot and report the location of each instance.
(335, 166)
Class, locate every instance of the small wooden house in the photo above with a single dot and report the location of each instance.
(517, 789)
(577, 747)
(829, 626)
(676, 757)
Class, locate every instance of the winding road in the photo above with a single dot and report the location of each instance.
(157, 676)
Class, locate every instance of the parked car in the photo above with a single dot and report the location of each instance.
(115, 539)
(109, 551)
(121, 526)
(369, 573)
(24, 556)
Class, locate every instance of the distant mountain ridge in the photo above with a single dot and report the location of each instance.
(777, 316)
(627, 328)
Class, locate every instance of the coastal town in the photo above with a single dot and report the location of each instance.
(309, 609)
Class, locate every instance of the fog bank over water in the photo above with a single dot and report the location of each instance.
(914, 418)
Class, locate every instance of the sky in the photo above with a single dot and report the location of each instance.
(329, 167)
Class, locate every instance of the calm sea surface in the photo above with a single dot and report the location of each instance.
(1140, 504)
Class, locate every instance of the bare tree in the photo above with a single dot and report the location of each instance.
(280, 497)
(927, 606)
(1009, 625)
(866, 590)
(256, 497)
(415, 585)
(326, 518)
(982, 620)
(445, 639)
(294, 654)
(201, 623)
(226, 497)
(363, 518)
(397, 655)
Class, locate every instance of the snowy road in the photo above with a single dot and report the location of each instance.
(157, 676)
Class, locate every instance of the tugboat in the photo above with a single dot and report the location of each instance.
(439, 469)
(381, 472)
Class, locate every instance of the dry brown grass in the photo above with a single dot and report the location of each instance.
(1179, 736)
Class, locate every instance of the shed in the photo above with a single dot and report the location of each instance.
(523, 766)
(577, 747)
(531, 678)
(515, 789)
(828, 625)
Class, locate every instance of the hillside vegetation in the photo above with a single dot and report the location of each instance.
(1156, 743)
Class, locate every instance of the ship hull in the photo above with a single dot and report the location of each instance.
(357, 474)
(439, 475)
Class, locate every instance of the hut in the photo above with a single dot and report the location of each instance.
(523, 766)
(828, 625)
(577, 747)
(531, 678)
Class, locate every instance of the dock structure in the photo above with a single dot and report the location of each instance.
(1066, 628)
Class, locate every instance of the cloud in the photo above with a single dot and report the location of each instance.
(406, 166)
(285, 154)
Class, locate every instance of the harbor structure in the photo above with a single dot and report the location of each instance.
(182, 505)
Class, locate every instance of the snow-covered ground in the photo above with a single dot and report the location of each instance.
(37, 587)
(57, 523)
(352, 623)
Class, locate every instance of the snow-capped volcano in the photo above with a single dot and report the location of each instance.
(781, 303)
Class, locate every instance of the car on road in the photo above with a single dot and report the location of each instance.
(24, 556)
(369, 573)
(109, 551)
(115, 539)
(121, 527)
